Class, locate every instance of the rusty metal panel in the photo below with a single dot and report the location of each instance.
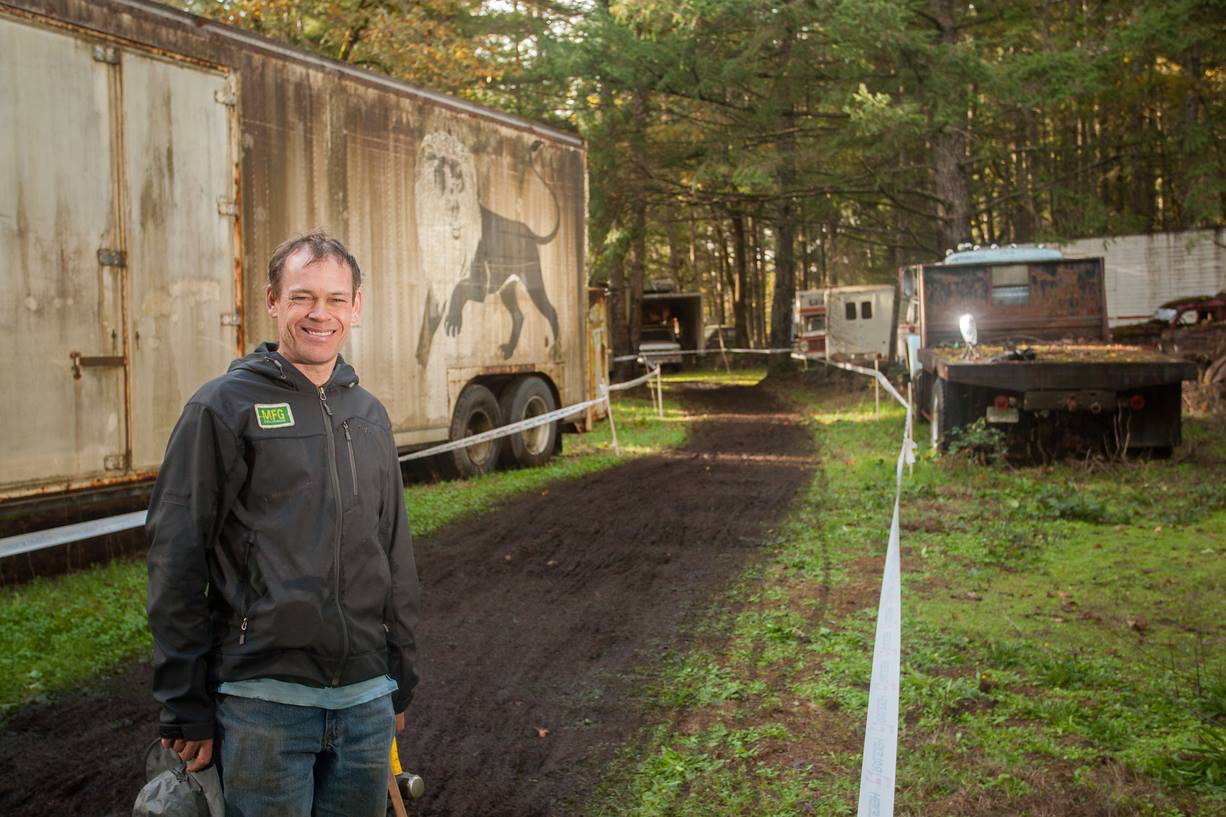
(470, 234)
(1064, 299)
(178, 180)
(326, 145)
(57, 211)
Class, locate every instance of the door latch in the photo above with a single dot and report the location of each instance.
(80, 361)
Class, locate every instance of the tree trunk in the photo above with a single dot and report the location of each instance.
(619, 329)
(638, 217)
(949, 150)
(785, 250)
(724, 282)
(740, 251)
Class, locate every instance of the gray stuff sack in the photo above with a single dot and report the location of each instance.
(172, 791)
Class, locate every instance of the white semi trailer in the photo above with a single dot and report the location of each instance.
(151, 160)
(1145, 271)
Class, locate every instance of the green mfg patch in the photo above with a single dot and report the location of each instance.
(273, 415)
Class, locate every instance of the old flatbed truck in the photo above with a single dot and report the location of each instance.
(1040, 369)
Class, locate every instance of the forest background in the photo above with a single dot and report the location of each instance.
(747, 148)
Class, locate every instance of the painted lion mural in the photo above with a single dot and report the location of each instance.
(469, 252)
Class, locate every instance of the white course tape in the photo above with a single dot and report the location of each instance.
(881, 725)
(524, 425)
(39, 539)
(851, 367)
(638, 381)
(712, 351)
(503, 431)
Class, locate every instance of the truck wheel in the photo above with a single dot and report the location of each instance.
(937, 419)
(523, 399)
(476, 411)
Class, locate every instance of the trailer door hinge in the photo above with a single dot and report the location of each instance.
(227, 207)
(112, 258)
(231, 318)
(106, 53)
(227, 95)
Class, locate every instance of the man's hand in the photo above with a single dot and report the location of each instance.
(399, 722)
(196, 753)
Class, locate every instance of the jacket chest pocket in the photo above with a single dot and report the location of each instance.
(360, 460)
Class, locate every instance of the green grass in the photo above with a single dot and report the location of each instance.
(740, 375)
(61, 632)
(1063, 641)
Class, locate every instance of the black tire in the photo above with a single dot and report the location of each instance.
(475, 411)
(522, 399)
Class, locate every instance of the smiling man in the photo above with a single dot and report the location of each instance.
(282, 588)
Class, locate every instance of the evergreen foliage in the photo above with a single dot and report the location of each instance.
(750, 147)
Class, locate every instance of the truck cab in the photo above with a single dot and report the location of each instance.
(809, 321)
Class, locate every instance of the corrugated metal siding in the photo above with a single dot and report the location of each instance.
(1145, 271)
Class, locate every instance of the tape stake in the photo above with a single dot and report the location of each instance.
(617, 449)
(876, 390)
(660, 391)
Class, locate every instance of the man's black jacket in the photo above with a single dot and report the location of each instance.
(278, 542)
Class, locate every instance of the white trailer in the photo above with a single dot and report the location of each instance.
(1146, 271)
(151, 160)
(859, 322)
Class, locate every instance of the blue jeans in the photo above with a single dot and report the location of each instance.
(279, 760)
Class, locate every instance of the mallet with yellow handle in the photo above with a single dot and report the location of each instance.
(413, 786)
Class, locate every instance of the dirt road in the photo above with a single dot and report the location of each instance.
(535, 620)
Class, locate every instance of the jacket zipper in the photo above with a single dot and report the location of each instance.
(242, 628)
(336, 536)
(353, 463)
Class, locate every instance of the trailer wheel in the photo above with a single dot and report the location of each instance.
(523, 399)
(476, 411)
(937, 421)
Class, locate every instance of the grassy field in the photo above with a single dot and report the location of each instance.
(1063, 641)
(60, 632)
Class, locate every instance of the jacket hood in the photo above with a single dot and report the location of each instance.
(267, 362)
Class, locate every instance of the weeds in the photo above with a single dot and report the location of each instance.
(1063, 642)
(979, 442)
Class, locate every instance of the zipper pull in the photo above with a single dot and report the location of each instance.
(323, 398)
(345, 425)
(242, 632)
